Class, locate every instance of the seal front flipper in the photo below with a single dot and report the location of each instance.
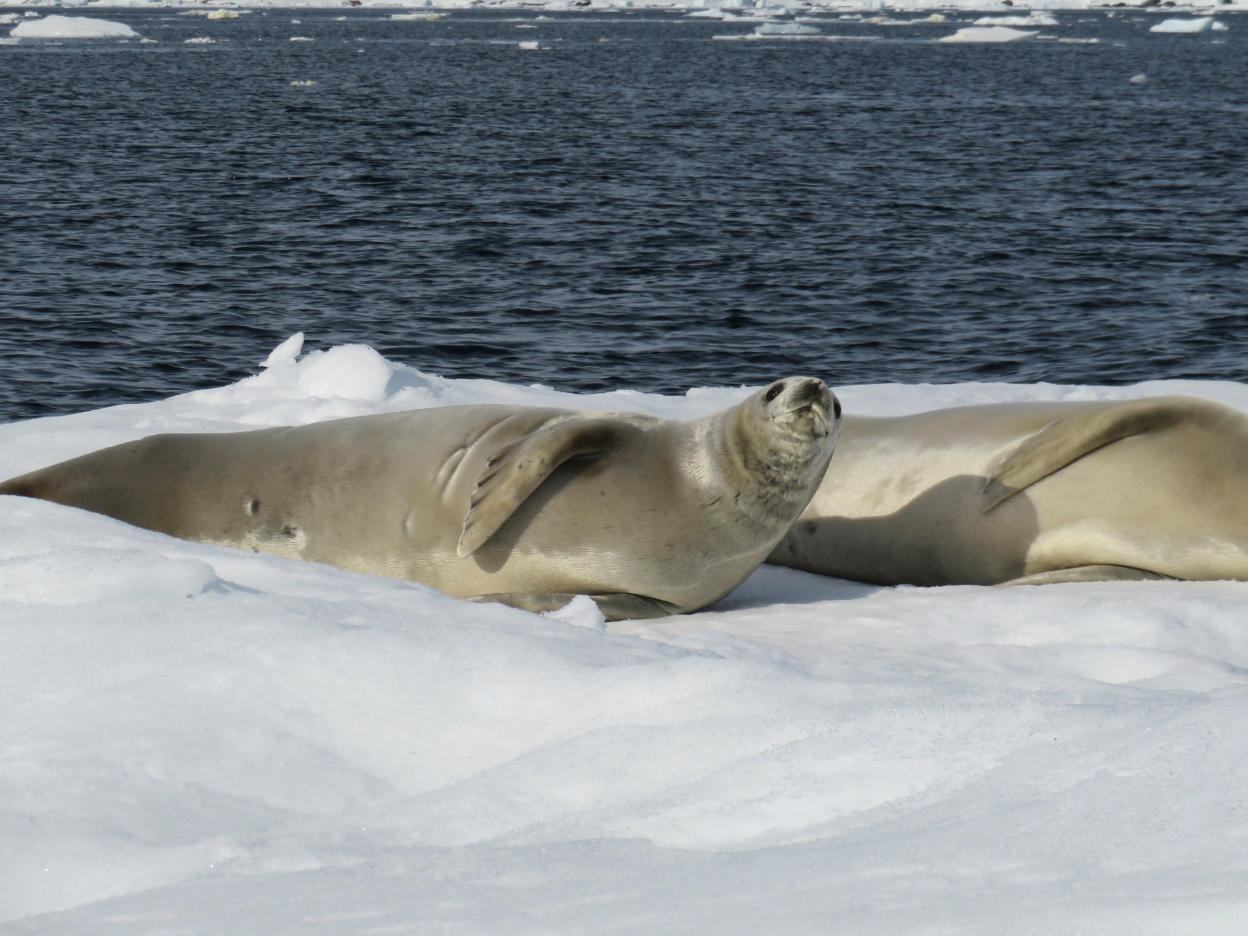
(1090, 573)
(614, 607)
(1071, 437)
(517, 470)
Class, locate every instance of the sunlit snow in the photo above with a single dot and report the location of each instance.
(199, 739)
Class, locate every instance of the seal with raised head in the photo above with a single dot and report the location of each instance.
(1031, 493)
(521, 505)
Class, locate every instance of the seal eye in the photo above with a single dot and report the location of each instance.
(774, 392)
(836, 407)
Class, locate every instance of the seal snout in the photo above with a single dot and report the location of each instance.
(798, 399)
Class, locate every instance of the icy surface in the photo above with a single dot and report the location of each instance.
(1200, 24)
(71, 27)
(206, 740)
(988, 34)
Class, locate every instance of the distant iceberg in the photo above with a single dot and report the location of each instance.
(1200, 24)
(988, 34)
(72, 27)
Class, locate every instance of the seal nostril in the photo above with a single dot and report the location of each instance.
(774, 392)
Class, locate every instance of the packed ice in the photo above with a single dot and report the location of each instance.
(199, 739)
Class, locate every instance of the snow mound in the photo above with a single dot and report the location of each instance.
(580, 612)
(72, 27)
(90, 576)
(987, 34)
(1200, 24)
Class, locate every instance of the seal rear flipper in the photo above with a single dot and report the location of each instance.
(1071, 437)
(1090, 573)
(517, 470)
(614, 607)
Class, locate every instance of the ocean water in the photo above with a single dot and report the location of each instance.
(633, 204)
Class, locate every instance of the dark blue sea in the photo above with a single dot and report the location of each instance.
(633, 204)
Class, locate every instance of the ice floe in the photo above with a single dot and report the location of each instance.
(199, 739)
(71, 27)
(1195, 25)
(785, 29)
(988, 34)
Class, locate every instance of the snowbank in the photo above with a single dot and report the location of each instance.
(199, 739)
(72, 27)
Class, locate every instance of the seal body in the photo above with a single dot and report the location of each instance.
(523, 505)
(1030, 493)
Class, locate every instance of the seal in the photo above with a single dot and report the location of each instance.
(526, 506)
(1031, 493)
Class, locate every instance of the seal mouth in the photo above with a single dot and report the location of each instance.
(805, 398)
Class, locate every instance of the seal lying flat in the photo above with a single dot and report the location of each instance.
(521, 505)
(1028, 493)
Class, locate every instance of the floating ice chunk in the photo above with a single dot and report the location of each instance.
(527, 45)
(1219, 26)
(303, 84)
(1139, 79)
(222, 14)
(988, 34)
(1200, 24)
(72, 27)
(302, 39)
(785, 29)
(1035, 19)
(90, 575)
(7, 18)
(296, 22)
(199, 40)
(581, 611)
(417, 16)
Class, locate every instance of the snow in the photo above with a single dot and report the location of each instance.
(71, 27)
(199, 739)
(987, 34)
